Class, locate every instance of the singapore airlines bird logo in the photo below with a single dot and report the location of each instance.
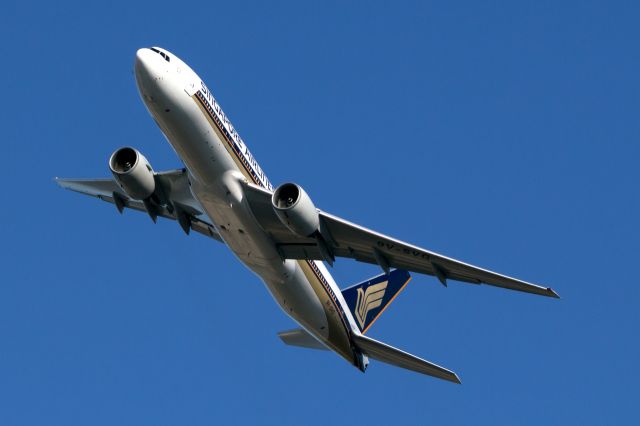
(369, 299)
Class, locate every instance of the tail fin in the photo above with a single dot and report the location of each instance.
(367, 300)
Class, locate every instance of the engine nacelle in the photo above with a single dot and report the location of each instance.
(295, 209)
(133, 173)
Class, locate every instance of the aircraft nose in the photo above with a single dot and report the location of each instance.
(144, 68)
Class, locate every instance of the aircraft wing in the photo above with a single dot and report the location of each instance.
(178, 203)
(341, 238)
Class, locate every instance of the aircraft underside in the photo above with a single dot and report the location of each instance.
(278, 233)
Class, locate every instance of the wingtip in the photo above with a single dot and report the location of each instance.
(450, 376)
(58, 181)
(552, 293)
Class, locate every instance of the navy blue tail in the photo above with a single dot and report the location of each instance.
(367, 300)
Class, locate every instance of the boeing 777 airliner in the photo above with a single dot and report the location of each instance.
(276, 232)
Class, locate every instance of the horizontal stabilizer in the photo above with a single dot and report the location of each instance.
(390, 355)
(299, 337)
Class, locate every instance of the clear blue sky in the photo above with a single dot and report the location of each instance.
(502, 134)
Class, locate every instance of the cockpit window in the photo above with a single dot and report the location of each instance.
(164, 55)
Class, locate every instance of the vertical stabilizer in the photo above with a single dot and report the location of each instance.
(368, 299)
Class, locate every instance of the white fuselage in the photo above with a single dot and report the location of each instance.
(218, 163)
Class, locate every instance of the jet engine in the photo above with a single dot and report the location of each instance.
(133, 173)
(295, 209)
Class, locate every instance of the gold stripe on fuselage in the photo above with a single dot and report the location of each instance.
(339, 330)
(214, 121)
(338, 336)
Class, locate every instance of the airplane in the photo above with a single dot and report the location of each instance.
(277, 232)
